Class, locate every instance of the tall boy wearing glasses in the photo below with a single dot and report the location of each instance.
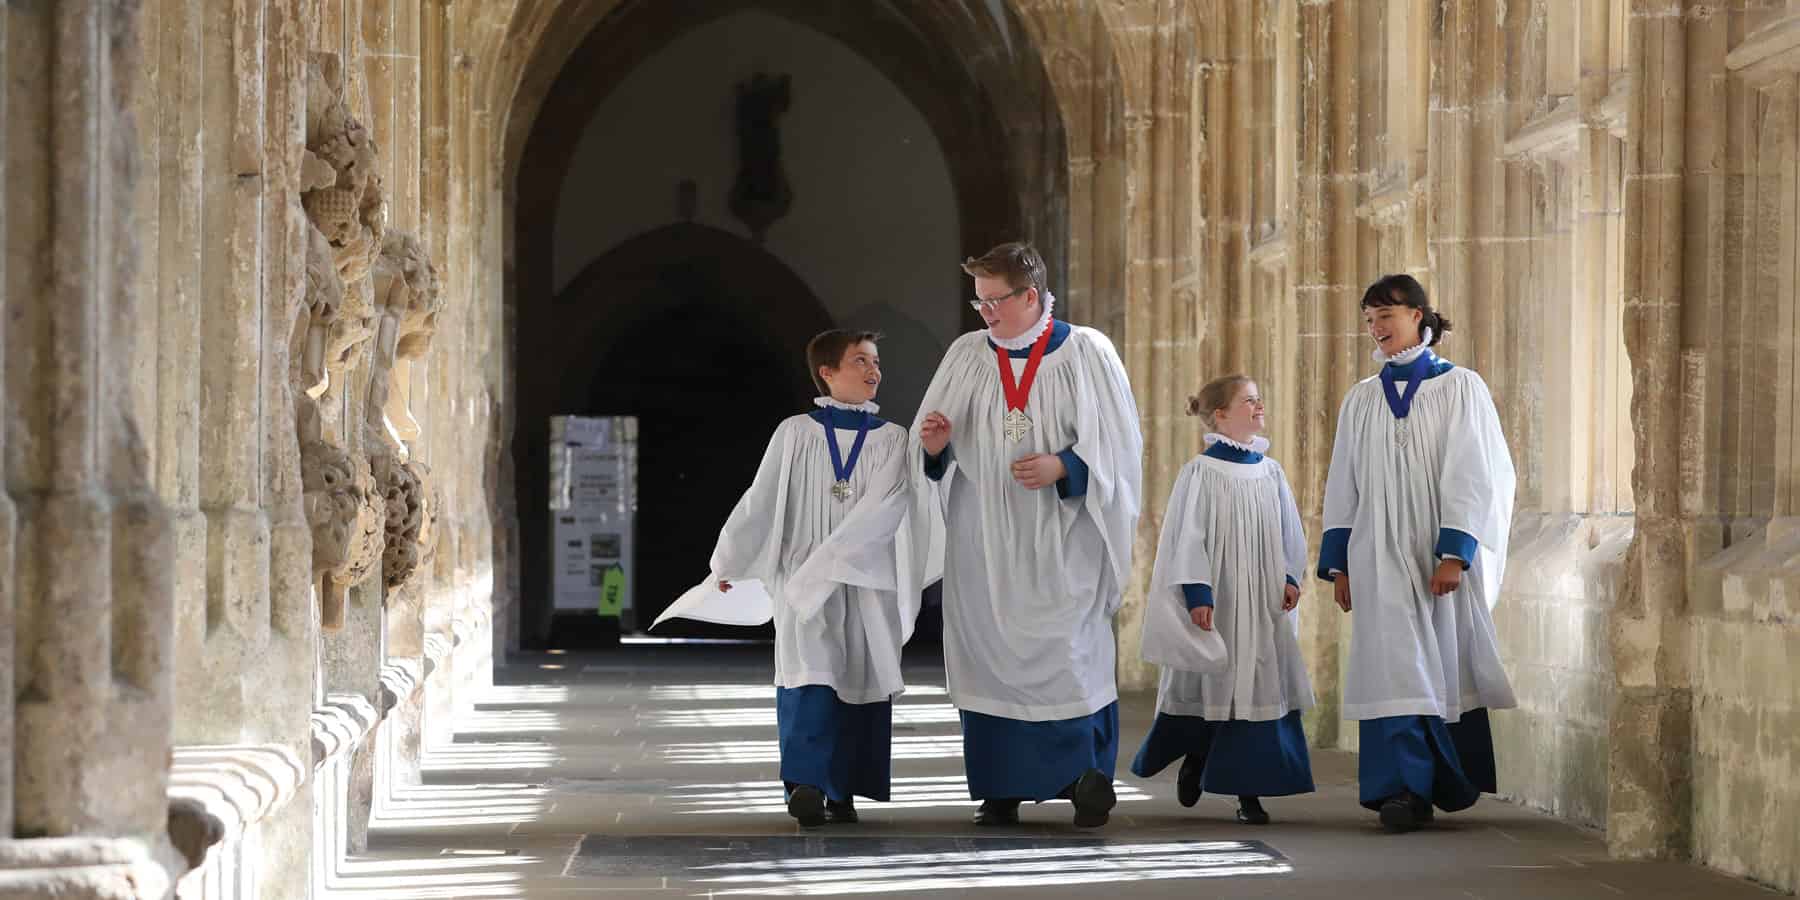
(1029, 435)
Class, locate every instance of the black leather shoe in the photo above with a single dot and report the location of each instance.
(1187, 784)
(1251, 812)
(1400, 813)
(1093, 797)
(807, 804)
(997, 813)
(841, 812)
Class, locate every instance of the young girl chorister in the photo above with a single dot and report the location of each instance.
(1418, 509)
(1220, 618)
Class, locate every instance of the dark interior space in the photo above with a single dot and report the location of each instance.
(699, 331)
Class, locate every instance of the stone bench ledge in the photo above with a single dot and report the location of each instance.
(87, 867)
(339, 726)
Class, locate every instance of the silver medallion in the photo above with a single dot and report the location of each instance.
(840, 491)
(1015, 425)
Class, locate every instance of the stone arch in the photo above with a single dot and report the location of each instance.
(1036, 150)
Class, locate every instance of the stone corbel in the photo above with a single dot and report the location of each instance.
(1768, 54)
(346, 513)
(1271, 252)
(1389, 203)
(1554, 135)
(1611, 113)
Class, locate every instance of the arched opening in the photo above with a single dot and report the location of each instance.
(899, 90)
(692, 330)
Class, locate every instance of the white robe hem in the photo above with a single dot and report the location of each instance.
(793, 680)
(1360, 712)
(1019, 712)
(1213, 713)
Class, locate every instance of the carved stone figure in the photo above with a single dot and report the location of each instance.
(761, 194)
(341, 189)
(408, 297)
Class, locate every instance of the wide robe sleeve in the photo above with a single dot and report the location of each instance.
(1340, 497)
(1170, 637)
(950, 393)
(1108, 439)
(1293, 533)
(1476, 484)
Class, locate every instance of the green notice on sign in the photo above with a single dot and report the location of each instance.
(612, 591)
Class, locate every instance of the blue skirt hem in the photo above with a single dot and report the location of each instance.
(1237, 758)
(1011, 759)
(1451, 764)
(843, 749)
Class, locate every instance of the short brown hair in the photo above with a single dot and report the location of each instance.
(1216, 395)
(1016, 261)
(826, 350)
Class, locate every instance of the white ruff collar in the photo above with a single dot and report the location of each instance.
(1258, 444)
(1030, 335)
(1405, 356)
(867, 406)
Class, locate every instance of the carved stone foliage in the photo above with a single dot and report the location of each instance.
(340, 187)
(408, 535)
(348, 517)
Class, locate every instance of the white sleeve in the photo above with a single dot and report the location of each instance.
(1108, 439)
(1170, 637)
(749, 545)
(1293, 532)
(1476, 485)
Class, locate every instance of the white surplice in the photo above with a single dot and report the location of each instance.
(838, 577)
(1031, 580)
(1234, 527)
(1412, 653)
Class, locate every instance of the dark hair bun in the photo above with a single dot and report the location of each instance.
(1193, 405)
(1440, 326)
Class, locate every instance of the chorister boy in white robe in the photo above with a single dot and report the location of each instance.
(817, 543)
(1418, 510)
(1220, 617)
(1029, 437)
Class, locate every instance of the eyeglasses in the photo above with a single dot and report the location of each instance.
(984, 304)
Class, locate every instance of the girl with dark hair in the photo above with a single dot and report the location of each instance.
(1220, 617)
(1418, 509)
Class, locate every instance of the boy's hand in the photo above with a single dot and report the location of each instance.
(1341, 582)
(1202, 616)
(724, 585)
(1038, 470)
(1291, 599)
(934, 433)
(1447, 578)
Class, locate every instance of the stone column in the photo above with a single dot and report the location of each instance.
(1328, 271)
(287, 684)
(231, 344)
(172, 128)
(91, 592)
(1650, 742)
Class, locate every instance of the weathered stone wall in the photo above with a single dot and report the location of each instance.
(250, 331)
(1737, 636)
(259, 298)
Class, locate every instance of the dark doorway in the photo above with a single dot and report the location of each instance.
(701, 335)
